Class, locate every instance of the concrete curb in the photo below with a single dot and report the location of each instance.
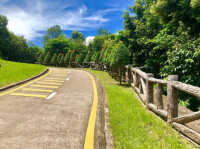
(107, 129)
(21, 82)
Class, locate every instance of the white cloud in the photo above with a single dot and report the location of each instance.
(89, 39)
(34, 16)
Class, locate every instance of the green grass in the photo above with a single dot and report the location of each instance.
(12, 72)
(133, 126)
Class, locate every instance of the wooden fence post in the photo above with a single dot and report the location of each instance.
(128, 76)
(149, 90)
(172, 99)
(159, 96)
(136, 80)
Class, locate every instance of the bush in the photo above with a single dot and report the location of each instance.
(88, 57)
(120, 57)
(72, 56)
(62, 59)
(59, 58)
(67, 56)
(76, 58)
(47, 58)
(41, 58)
(80, 58)
(54, 59)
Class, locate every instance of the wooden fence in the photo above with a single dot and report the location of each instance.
(143, 84)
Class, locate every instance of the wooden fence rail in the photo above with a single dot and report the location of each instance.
(143, 84)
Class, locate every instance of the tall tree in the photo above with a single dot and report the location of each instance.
(52, 32)
(77, 36)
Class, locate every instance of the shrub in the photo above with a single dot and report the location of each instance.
(67, 56)
(88, 57)
(47, 58)
(54, 59)
(72, 56)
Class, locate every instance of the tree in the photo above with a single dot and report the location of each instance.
(58, 45)
(98, 43)
(62, 59)
(41, 58)
(54, 59)
(47, 59)
(76, 58)
(80, 58)
(77, 36)
(72, 56)
(102, 31)
(88, 57)
(67, 56)
(120, 57)
(52, 32)
(59, 58)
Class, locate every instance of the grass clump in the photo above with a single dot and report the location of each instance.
(132, 125)
(12, 72)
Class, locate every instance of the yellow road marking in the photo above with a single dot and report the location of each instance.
(49, 83)
(54, 81)
(45, 86)
(29, 95)
(38, 90)
(61, 79)
(89, 138)
(31, 82)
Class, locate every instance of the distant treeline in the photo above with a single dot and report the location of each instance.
(15, 48)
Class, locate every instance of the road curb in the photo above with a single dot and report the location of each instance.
(24, 81)
(107, 129)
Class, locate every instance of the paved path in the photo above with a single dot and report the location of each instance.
(30, 118)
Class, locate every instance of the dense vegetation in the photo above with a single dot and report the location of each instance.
(161, 36)
(132, 125)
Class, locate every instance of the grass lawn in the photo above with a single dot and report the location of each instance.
(133, 126)
(11, 72)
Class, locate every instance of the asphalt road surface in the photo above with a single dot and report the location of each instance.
(51, 111)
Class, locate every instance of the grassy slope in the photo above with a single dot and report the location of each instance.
(11, 72)
(132, 125)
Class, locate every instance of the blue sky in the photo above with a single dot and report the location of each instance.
(31, 18)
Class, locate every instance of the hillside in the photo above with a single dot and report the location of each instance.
(12, 72)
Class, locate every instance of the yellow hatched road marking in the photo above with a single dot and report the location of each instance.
(45, 86)
(29, 95)
(58, 76)
(38, 90)
(31, 82)
(54, 81)
(61, 79)
(49, 83)
(89, 138)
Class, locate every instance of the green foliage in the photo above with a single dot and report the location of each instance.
(47, 58)
(120, 56)
(102, 31)
(96, 58)
(62, 59)
(80, 58)
(72, 56)
(93, 57)
(58, 45)
(52, 32)
(88, 57)
(98, 43)
(77, 36)
(76, 58)
(59, 58)
(67, 56)
(54, 59)
(41, 58)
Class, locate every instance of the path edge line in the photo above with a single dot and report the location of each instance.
(89, 137)
(24, 81)
(107, 128)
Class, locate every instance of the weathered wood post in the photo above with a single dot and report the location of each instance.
(149, 89)
(128, 76)
(159, 96)
(136, 80)
(172, 99)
